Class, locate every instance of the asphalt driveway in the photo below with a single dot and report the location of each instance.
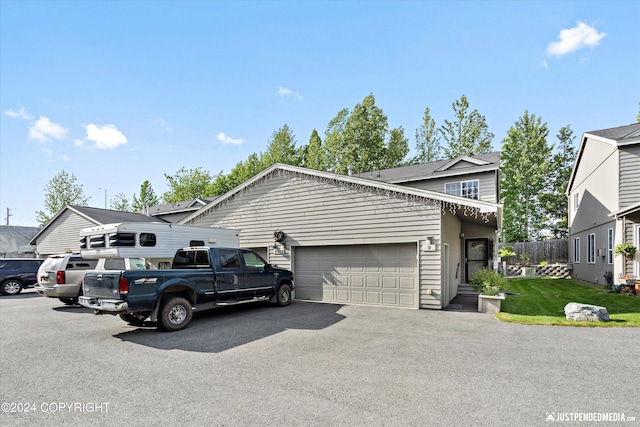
(309, 364)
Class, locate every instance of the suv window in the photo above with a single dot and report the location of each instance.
(81, 264)
(114, 264)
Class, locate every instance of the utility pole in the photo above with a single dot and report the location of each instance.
(8, 215)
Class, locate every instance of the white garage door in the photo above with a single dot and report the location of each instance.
(360, 274)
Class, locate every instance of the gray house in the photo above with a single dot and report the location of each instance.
(358, 240)
(60, 234)
(604, 202)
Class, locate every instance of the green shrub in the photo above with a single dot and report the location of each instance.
(506, 252)
(544, 263)
(488, 282)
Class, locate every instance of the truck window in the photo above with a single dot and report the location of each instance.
(229, 259)
(253, 261)
(191, 259)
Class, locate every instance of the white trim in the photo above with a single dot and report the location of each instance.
(636, 239)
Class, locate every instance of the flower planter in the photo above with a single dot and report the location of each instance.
(528, 272)
(490, 303)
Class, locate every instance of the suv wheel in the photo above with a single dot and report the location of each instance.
(175, 314)
(11, 287)
(69, 301)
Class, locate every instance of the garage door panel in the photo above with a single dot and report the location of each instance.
(360, 274)
(389, 282)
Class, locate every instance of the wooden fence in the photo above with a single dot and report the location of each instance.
(552, 251)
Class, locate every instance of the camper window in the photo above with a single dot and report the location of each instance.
(147, 239)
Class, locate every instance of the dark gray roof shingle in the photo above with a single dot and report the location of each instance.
(618, 133)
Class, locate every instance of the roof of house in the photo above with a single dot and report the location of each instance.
(454, 201)
(99, 216)
(442, 168)
(619, 133)
(184, 206)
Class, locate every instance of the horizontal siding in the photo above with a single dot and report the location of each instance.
(629, 176)
(487, 183)
(63, 235)
(322, 213)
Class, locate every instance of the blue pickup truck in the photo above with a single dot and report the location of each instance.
(199, 278)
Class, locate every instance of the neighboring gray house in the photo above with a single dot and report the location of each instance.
(14, 241)
(60, 234)
(174, 212)
(361, 241)
(604, 202)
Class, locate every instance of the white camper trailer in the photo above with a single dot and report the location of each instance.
(157, 242)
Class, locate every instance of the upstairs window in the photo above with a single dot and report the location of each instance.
(576, 201)
(469, 189)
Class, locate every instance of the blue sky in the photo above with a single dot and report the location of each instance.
(122, 92)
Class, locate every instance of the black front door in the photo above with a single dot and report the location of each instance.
(476, 256)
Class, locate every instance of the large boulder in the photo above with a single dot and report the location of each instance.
(586, 312)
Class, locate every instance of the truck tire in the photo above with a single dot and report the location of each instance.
(11, 287)
(175, 313)
(69, 301)
(284, 295)
(134, 319)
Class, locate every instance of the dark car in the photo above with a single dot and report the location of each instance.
(17, 274)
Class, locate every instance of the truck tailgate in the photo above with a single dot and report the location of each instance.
(101, 284)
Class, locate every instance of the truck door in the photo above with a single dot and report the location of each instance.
(259, 282)
(230, 281)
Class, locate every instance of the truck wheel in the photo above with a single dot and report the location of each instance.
(284, 295)
(134, 319)
(11, 287)
(69, 301)
(175, 313)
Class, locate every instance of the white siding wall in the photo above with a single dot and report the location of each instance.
(323, 213)
(596, 182)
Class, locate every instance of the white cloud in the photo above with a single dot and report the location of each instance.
(106, 137)
(20, 114)
(65, 158)
(575, 38)
(283, 91)
(228, 140)
(44, 129)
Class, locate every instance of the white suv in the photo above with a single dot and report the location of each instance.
(60, 276)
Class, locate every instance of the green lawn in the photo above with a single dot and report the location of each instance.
(541, 302)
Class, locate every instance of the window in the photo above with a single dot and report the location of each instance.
(576, 201)
(591, 249)
(610, 246)
(253, 261)
(468, 189)
(229, 259)
(147, 239)
(576, 250)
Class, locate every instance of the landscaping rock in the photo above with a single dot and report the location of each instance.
(585, 312)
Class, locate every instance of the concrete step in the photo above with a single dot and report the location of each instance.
(466, 289)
